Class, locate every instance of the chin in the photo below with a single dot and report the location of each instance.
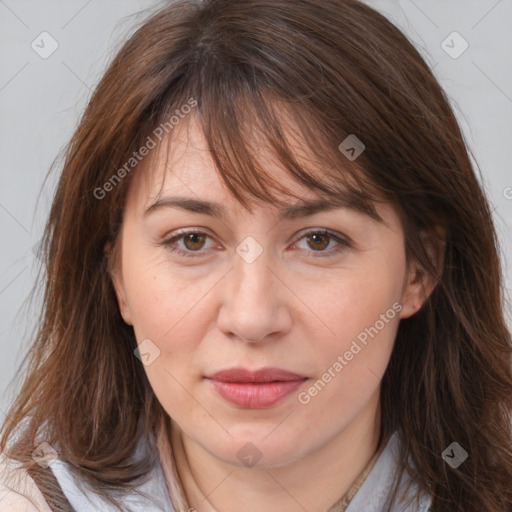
(257, 450)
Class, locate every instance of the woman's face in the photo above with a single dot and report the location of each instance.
(258, 291)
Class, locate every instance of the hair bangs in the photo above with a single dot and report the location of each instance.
(245, 126)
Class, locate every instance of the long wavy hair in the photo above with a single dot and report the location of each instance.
(337, 67)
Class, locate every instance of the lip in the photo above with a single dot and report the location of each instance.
(258, 389)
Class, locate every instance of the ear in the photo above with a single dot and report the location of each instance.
(115, 274)
(420, 283)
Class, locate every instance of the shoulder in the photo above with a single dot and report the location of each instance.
(18, 491)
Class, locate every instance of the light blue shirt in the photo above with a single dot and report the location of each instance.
(153, 496)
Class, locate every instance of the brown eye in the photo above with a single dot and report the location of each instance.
(194, 241)
(188, 243)
(318, 241)
(322, 243)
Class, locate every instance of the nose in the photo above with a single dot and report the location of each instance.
(254, 302)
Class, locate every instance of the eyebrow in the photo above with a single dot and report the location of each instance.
(300, 209)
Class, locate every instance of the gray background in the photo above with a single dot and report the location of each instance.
(41, 99)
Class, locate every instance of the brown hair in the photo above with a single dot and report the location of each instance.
(337, 67)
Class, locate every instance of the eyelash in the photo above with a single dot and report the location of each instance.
(343, 243)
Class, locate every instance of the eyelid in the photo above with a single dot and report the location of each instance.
(180, 234)
(343, 241)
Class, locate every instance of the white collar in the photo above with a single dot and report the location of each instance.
(374, 493)
(153, 494)
(150, 496)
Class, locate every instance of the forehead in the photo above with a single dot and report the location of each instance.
(183, 164)
(181, 173)
(182, 168)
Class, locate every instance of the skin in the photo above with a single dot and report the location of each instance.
(290, 308)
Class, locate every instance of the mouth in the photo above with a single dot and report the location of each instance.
(258, 389)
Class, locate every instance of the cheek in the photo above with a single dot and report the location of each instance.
(353, 299)
(174, 312)
(166, 304)
(359, 312)
(171, 312)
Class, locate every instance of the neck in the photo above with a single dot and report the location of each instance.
(314, 482)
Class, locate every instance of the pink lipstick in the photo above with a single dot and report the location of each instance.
(255, 389)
